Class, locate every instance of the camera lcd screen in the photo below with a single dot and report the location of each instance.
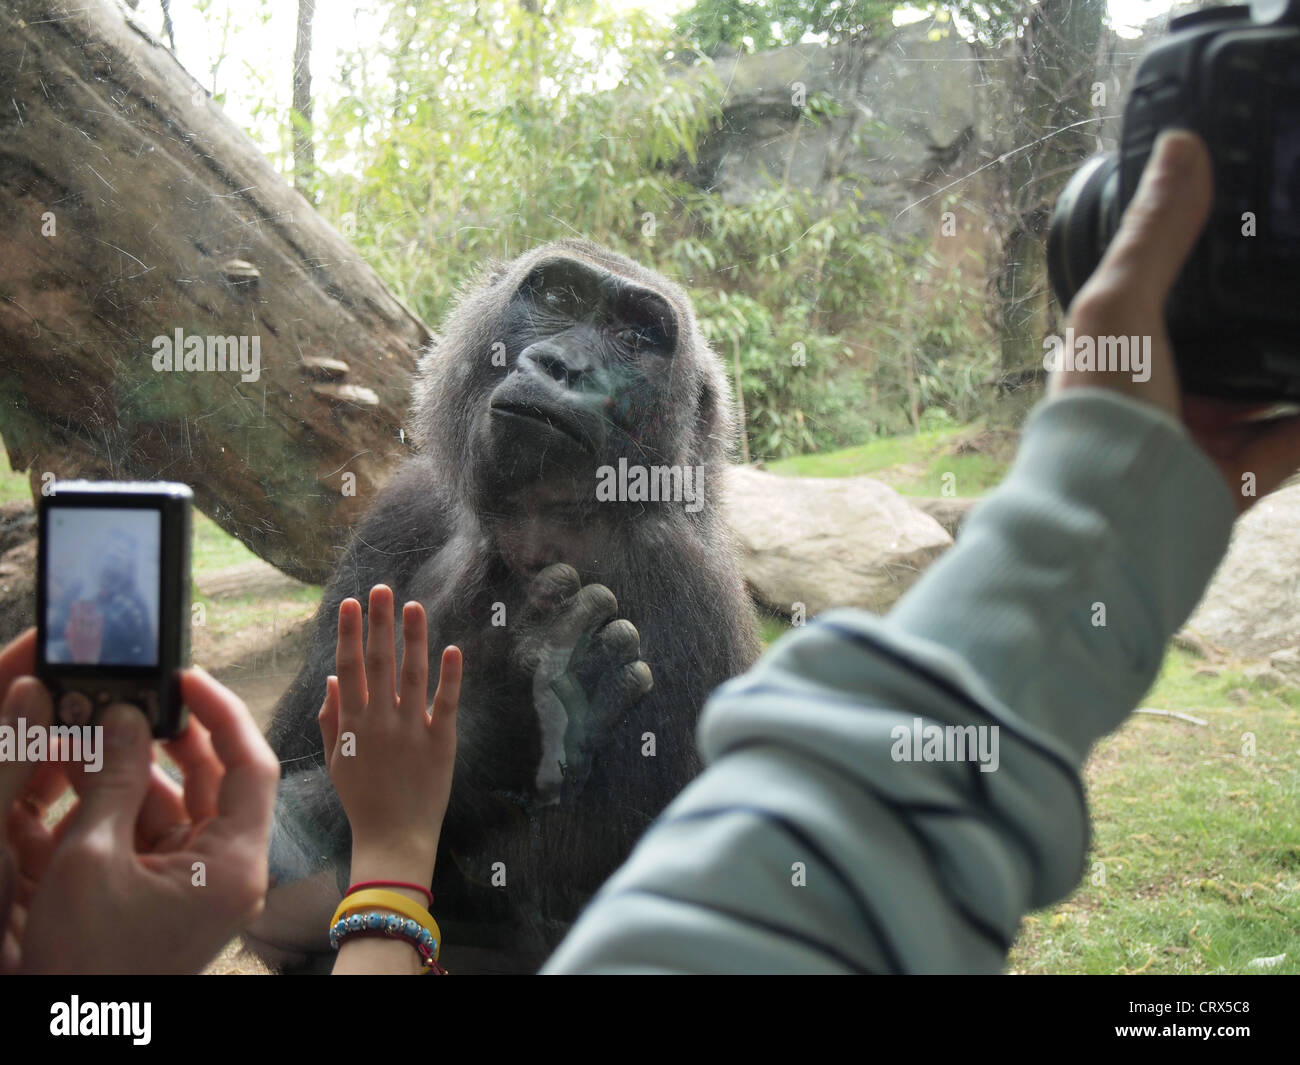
(103, 585)
(1286, 172)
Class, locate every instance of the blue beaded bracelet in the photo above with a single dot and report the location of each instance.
(382, 923)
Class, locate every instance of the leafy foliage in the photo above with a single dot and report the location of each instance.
(483, 128)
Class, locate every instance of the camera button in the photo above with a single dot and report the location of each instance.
(75, 708)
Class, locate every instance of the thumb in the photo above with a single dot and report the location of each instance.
(112, 797)
(1162, 222)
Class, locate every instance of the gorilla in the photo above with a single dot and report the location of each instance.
(561, 522)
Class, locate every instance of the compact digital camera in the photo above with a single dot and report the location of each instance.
(113, 599)
(1232, 75)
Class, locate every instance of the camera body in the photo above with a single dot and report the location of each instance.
(113, 599)
(1232, 75)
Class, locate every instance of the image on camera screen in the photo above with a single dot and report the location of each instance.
(102, 586)
(1286, 173)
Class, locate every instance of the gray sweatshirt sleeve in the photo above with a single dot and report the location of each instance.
(892, 795)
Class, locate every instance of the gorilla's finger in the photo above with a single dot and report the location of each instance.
(381, 666)
(585, 614)
(415, 659)
(349, 661)
(618, 642)
(622, 688)
(549, 589)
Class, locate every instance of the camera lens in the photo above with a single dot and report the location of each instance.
(1082, 224)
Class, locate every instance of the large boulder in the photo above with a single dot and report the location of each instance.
(1252, 606)
(824, 542)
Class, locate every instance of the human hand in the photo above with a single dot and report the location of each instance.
(390, 760)
(85, 631)
(1126, 296)
(143, 875)
(26, 788)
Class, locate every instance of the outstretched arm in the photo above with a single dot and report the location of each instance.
(821, 838)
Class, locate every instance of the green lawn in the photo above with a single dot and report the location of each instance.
(1195, 863)
(915, 465)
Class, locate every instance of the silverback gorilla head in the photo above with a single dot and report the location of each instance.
(558, 365)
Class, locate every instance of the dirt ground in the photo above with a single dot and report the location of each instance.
(253, 640)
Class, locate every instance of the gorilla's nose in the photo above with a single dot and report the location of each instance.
(567, 365)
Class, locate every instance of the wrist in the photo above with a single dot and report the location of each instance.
(383, 862)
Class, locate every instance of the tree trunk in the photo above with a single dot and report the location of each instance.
(1053, 131)
(304, 157)
(131, 210)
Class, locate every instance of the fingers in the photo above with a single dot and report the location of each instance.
(192, 752)
(415, 658)
(18, 659)
(446, 701)
(27, 699)
(163, 817)
(329, 715)
(1160, 225)
(380, 669)
(349, 659)
(551, 587)
(590, 610)
(111, 798)
(618, 641)
(250, 770)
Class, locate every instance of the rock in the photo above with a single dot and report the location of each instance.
(823, 542)
(1252, 607)
(915, 100)
(948, 511)
(1271, 962)
(1195, 646)
(1264, 676)
(1287, 662)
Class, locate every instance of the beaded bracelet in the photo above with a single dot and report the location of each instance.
(391, 925)
(407, 920)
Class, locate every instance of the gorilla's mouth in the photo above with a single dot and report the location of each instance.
(560, 423)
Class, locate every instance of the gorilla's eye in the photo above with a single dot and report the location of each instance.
(558, 298)
(638, 337)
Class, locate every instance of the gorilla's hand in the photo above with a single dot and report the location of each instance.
(586, 666)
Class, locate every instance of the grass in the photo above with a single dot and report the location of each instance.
(920, 464)
(212, 548)
(1195, 863)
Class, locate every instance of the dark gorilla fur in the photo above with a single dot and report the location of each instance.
(501, 489)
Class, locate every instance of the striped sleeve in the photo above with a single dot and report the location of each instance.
(892, 795)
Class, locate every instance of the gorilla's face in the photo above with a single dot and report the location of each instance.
(583, 369)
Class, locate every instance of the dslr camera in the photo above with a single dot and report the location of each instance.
(1232, 75)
